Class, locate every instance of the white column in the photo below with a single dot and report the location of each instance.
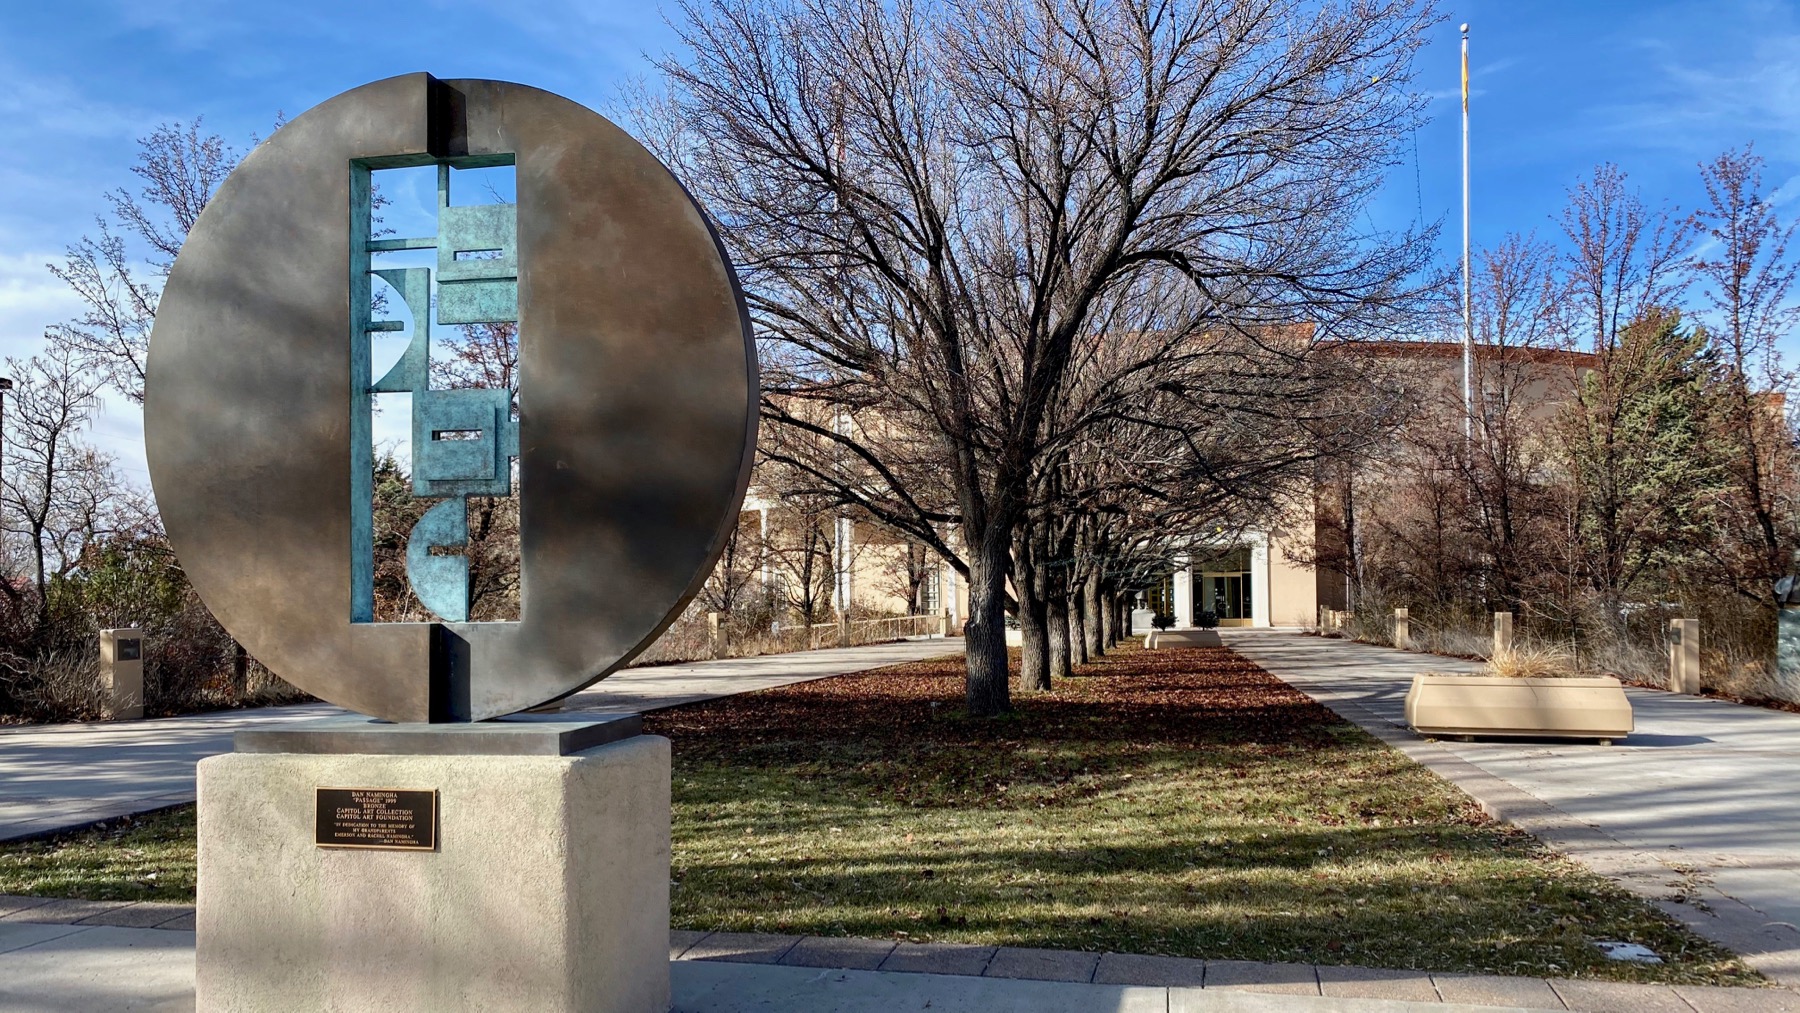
(846, 530)
(768, 572)
(1259, 580)
(1184, 591)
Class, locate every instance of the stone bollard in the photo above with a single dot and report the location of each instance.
(1401, 639)
(1684, 656)
(1502, 633)
(944, 624)
(122, 673)
(715, 637)
(844, 630)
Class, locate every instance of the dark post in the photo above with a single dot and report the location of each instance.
(5, 385)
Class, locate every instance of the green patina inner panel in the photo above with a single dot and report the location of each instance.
(464, 440)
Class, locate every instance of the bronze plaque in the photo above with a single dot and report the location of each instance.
(390, 819)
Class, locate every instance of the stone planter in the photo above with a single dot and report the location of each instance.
(1469, 705)
(1182, 638)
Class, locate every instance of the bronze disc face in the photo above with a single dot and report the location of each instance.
(636, 399)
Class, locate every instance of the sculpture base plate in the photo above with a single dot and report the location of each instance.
(515, 735)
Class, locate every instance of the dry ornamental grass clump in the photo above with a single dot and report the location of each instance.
(1531, 661)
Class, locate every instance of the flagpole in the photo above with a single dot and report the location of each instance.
(1468, 316)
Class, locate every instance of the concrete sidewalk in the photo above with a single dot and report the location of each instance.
(75, 955)
(1698, 810)
(53, 777)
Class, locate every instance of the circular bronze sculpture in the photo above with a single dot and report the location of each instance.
(636, 420)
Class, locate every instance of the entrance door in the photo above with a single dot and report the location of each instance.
(1227, 595)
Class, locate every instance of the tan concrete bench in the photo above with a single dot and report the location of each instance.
(1469, 705)
(1182, 638)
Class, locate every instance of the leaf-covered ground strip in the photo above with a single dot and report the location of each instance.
(1178, 802)
(149, 857)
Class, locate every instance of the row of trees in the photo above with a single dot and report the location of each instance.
(1631, 455)
(1042, 285)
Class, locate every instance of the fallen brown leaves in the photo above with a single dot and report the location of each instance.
(1205, 694)
(900, 733)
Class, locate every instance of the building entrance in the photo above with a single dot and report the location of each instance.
(1223, 587)
(1227, 595)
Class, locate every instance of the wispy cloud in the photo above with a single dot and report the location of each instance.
(32, 105)
(31, 299)
(1744, 85)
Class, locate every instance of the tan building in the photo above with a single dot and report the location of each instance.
(1284, 575)
(1265, 576)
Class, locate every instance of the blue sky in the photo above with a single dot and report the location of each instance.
(1558, 87)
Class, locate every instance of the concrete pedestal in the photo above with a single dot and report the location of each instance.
(548, 889)
(122, 673)
(1684, 656)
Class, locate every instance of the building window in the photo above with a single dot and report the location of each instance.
(929, 598)
(1159, 597)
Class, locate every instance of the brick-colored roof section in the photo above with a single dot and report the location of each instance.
(1453, 350)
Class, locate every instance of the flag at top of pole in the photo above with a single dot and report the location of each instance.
(1465, 67)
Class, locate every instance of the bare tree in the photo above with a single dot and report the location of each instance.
(906, 572)
(57, 488)
(1748, 277)
(179, 169)
(1624, 258)
(1623, 272)
(934, 203)
(801, 554)
(735, 577)
(1505, 467)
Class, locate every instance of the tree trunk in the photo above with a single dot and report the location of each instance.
(1078, 642)
(984, 634)
(1034, 637)
(1092, 612)
(240, 670)
(1109, 616)
(1056, 617)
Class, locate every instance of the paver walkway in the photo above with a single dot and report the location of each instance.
(1698, 810)
(79, 955)
(58, 776)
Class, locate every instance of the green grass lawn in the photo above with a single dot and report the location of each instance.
(1174, 802)
(147, 857)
